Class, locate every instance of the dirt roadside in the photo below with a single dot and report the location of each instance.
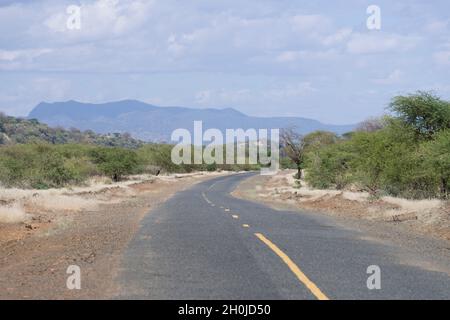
(35, 253)
(422, 239)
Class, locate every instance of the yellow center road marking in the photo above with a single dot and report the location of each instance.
(235, 216)
(246, 226)
(294, 268)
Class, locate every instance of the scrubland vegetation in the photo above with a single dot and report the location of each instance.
(404, 154)
(21, 131)
(43, 165)
(33, 155)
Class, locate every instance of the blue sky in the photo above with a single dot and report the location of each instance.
(314, 59)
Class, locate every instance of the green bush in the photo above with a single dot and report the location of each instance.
(115, 162)
(426, 113)
(38, 166)
(328, 167)
(409, 156)
(44, 165)
(159, 155)
(437, 161)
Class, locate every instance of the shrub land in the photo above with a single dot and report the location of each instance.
(404, 154)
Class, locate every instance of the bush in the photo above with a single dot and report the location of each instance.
(159, 155)
(423, 111)
(329, 166)
(437, 161)
(38, 166)
(408, 156)
(115, 162)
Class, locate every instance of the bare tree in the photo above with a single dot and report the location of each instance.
(371, 125)
(294, 147)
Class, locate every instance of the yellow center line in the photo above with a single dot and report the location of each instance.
(294, 268)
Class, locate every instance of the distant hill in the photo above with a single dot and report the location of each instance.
(17, 130)
(152, 123)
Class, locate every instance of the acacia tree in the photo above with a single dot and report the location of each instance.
(423, 111)
(318, 139)
(115, 162)
(293, 145)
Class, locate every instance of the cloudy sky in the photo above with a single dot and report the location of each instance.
(314, 59)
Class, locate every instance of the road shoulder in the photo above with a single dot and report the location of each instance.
(413, 248)
(35, 255)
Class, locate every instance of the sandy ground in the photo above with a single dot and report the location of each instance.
(419, 229)
(42, 233)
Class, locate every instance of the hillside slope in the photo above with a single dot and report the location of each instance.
(16, 130)
(152, 123)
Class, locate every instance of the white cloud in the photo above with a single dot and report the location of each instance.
(308, 23)
(292, 56)
(174, 47)
(52, 89)
(369, 43)
(289, 56)
(442, 58)
(338, 37)
(102, 18)
(19, 98)
(240, 96)
(437, 26)
(223, 96)
(392, 78)
(179, 48)
(290, 91)
(13, 55)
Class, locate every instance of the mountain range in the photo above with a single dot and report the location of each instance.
(152, 123)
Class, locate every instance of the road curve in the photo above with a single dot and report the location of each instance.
(205, 244)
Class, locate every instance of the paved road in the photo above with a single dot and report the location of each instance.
(205, 244)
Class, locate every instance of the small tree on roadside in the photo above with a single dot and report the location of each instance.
(115, 162)
(293, 145)
(318, 139)
(423, 111)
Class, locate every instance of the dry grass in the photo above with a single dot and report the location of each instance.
(355, 196)
(58, 202)
(283, 186)
(415, 205)
(12, 214)
(18, 204)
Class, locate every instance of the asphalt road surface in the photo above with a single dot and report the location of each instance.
(205, 244)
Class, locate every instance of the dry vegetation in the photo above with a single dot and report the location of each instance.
(42, 232)
(431, 217)
(24, 206)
